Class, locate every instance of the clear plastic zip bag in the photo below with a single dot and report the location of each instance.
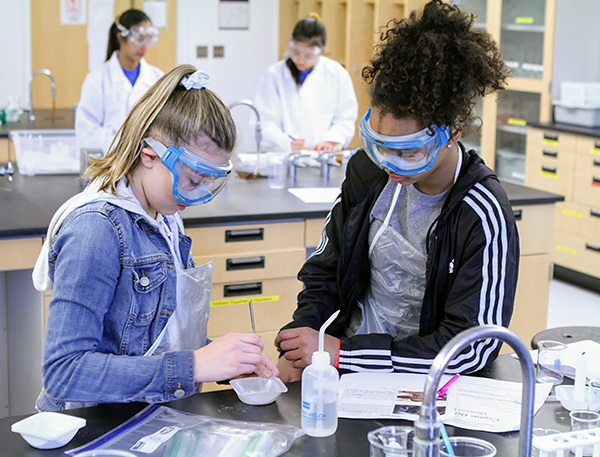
(167, 432)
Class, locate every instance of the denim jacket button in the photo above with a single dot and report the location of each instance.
(144, 281)
(179, 393)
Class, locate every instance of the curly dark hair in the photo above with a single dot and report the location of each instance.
(433, 67)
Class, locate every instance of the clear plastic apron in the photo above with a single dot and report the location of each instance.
(392, 302)
(187, 326)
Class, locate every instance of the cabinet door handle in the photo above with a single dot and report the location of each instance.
(518, 214)
(595, 213)
(592, 247)
(548, 136)
(235, 290)
(550, 153)
(257, 234)
(597, 145)
(245, 263)
(597, 162)
(595, 180)
(549, 169)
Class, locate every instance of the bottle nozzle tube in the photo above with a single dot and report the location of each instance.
(322, 330)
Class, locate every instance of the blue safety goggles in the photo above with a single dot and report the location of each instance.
(195, 180)
(405, 155)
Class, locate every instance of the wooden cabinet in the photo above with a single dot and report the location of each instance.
(257, 262)
(6, 153)
(352, 32)
(536, 237)
(569, 164)
(525, 33)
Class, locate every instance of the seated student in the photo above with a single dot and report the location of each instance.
(306, 101)
(421, 244)
(128, 316)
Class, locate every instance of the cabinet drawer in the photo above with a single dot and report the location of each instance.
(210, 241)
(579, 220)
(313, 232)
(274, 301)
(270, 350)
(19, 253)
(553, 154)
(552, 139)
(536, 228)
(577, 254)
(588, 146)
(544, 175)
(255, 266)
(587, 186)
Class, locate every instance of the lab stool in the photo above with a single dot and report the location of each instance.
(567, 335)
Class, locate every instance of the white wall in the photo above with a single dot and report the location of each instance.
(247, 53)
(577, 43)
(15, 50)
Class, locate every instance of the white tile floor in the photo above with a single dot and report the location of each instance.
(570, 305)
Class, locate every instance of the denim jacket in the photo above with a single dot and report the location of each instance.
(114, 285)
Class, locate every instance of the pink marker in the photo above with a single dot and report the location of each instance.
(444, 389)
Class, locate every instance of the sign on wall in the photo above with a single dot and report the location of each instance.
(72, 12)
(234, 14)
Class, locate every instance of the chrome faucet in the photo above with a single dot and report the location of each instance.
(325, 158)
(427, 427)
(48, 73)
(7, 170)
(257, 129)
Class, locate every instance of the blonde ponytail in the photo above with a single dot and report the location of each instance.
(169, 111)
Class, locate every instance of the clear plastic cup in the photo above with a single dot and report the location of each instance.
(549, 362)
(277, 169)
(535, 452)
(391, 441)
(584, 419)
(465, 446)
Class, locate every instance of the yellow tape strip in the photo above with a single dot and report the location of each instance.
(515, 121)
(565, 249)
(568, 212)
(595, 151)
(244, 301)
(549, 142)
(524, 20)
(549, 174)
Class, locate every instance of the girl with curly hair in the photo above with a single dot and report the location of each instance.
(421, 244)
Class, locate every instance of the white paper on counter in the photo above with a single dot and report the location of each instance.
(316, 194)
(489, 405)
(389, 396)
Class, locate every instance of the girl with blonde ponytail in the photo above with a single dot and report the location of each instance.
(129, 310)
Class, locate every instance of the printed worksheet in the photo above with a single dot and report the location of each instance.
(390, 396)
(471, 403)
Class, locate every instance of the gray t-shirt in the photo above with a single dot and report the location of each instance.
(413, 215)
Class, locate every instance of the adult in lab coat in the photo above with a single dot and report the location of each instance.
(306, 101)
(108, 94)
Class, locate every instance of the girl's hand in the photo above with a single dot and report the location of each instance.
(325, 146)
(298, 144)
(230, 356)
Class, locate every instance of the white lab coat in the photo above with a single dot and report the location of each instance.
(323, 108)
(107, 96)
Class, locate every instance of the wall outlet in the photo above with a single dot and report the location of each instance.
(218, 51)
(201, 52)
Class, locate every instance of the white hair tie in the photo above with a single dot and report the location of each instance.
(196, 80)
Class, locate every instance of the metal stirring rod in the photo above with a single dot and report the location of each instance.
(252, 316)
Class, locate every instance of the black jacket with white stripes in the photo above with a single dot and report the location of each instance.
(472, 267)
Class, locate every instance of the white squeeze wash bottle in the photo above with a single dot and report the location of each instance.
(320, 391)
